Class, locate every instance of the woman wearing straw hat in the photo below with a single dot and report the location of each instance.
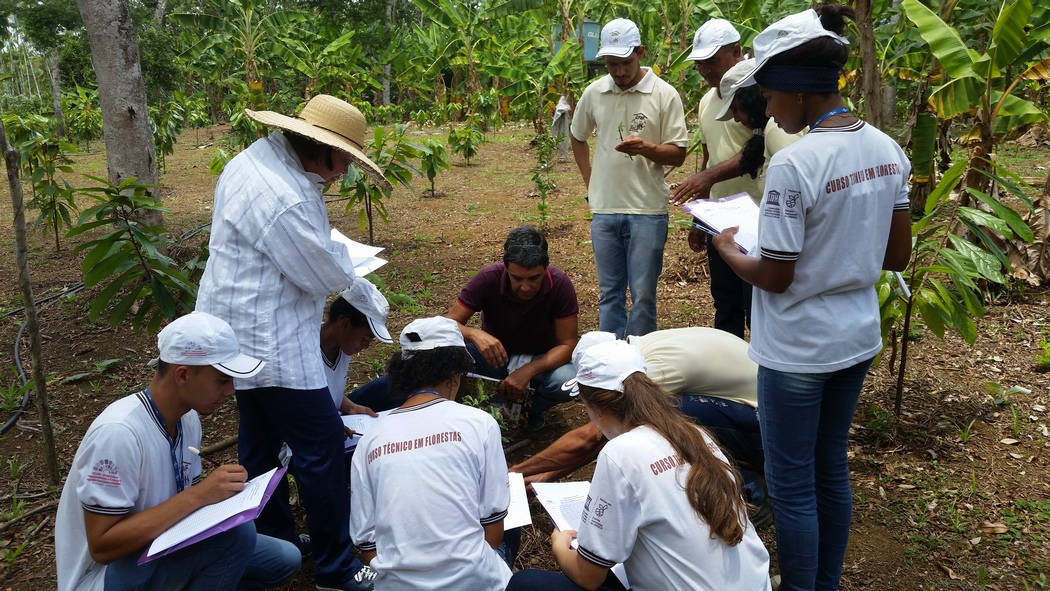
(272, 265)
(834, 215)
(430, 479)
(664, 500)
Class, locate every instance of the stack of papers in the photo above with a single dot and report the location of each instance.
(564, 502)
(360, 425)
(518, 513)
(715, 215)
(363, 256)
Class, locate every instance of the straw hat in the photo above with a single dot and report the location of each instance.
(332, 122)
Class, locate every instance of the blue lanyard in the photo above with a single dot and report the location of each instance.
(176, 466)
(830, 113)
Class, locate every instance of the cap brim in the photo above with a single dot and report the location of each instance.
(702, 54)
(727, 109)
(617, 52)
(749, 80)
(274, 119)
(379, 330)
(240, 366)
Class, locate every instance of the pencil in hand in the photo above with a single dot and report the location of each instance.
(204, 458)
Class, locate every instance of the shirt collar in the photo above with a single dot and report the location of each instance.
(283, 148)
(645, 85)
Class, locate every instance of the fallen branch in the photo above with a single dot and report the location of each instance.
(31, 512)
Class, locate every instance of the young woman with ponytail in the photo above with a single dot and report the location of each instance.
(664, 500)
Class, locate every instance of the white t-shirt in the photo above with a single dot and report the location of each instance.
(651, 110)
(336, 372)
(637, 513)
(828, 204)
(702, 361)
(123, 466)
(725, 139)
(424, 482)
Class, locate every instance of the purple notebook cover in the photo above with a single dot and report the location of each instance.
(224, 525)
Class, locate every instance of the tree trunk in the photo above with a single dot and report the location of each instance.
(56, 96)
(12, 157)
(122, 94)
(871, 80)
(158, 12)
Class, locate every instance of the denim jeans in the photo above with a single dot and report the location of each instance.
(376, 395)
(731, 294)
(547, 385)
(544, 580)
(735, 426)
(628, 254)
(235, 559)
(308, 422)
(805, 430)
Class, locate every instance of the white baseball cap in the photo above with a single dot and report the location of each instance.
(425, 334)
(202, 339)
(587, 341)
(787, 33)
(606, 365)
(619, 38)
(738, 72)
(368, 300)
(711, 36)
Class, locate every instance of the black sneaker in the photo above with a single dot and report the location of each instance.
(363, 580)
(305, 547)
(536, 423)
(763, 516)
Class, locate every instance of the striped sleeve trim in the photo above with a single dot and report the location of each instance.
(494, 517)
(100, 510)
(594, 558)
(779, 255)
(902, 206)
(366, 546)
(460, 302)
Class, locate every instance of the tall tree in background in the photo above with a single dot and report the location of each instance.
(122, 94)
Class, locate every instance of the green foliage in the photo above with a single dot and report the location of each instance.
(1042, 362)
(391, 152)
(546, 145)
(127, 260)
(83, 115)
(54, 199)
(166, 121)
(467, 140)
(12, 395)
(433, 159)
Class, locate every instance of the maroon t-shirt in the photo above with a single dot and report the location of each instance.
(524, 328)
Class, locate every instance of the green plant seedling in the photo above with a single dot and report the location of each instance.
(12, 555)
(1042, 362)
(11, 397)
(966, 432)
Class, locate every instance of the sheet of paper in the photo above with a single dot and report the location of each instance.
(367, 265)
(518, 513)
(564, 502)
(360, 424)
(210, 515)
(735, 210)
(357, 250)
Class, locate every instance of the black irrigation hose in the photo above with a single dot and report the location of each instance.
(44, 303)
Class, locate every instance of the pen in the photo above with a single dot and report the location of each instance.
(197, 452)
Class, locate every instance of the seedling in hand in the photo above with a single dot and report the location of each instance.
(620, 130)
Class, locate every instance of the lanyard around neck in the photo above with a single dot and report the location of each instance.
(176, 466)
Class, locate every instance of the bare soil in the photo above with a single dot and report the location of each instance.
(952, 494)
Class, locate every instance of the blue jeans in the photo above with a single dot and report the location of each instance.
(545, 580)
(736, 428)
(235, 559)
(310, 424)
(805, 430)
(731, 294)
(376, 395)
(628, 254)
(547, 385)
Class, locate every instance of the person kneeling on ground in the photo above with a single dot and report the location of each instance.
(429, 480)
(663, 500)
(716, 385)
(134, 477)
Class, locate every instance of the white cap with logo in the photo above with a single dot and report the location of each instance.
(425, 334)
(619, 38)
(787, 33)
(368, 300)
(606, 365)
(711, 36)
(202, 339)
(587, 341)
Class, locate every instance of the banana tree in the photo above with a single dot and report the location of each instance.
(979, 84)
(321, 61)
